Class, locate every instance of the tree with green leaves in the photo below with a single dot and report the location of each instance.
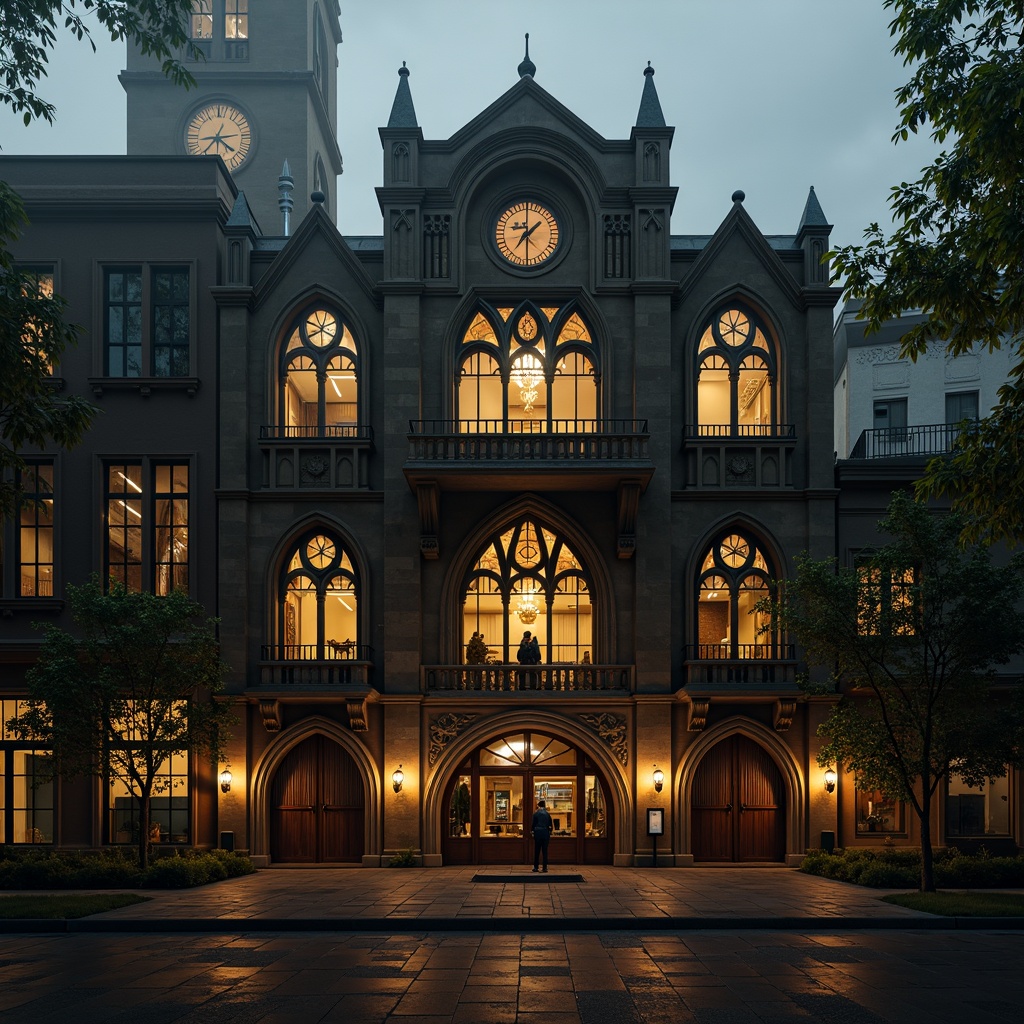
(914, 634)
(33, 329)
(957, 251)
(137, 682)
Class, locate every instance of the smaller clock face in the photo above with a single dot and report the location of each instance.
(219, 129)
(527, 234)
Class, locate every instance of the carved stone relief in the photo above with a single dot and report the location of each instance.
(611, 729)
(443, 729)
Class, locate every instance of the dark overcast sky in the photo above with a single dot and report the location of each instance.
(769, 96)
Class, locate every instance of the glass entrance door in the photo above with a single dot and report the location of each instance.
(492, 798)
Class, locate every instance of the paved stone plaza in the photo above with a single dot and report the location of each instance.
(437, 947)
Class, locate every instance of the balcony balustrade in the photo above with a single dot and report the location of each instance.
(752, 455)
(527, 440)
(901, 442)
(316, 457)
(302, 665)
(740, 665)
(509, 678)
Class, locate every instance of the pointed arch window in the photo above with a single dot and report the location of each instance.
(318, 393)
(318, 601)
(735, 573)
(736, 375)
(528, 578)
(528, 369)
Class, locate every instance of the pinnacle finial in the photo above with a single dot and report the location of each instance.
(648, 70)
(403, 70)
(526, 67)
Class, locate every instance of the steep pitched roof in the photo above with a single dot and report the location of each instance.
(403, 113)
(650, 114)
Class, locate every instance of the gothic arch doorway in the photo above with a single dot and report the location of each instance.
(490, 799)
(738, 805)
(316, 805)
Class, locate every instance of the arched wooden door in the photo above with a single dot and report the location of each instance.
(316, 806)
(737, 805)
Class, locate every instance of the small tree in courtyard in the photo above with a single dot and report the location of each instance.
(914, 632)
(136, 685)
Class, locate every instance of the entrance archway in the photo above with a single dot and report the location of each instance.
(738, 804)
(490, 798)
(316, 805)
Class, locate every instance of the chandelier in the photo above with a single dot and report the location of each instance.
(527, 373)
(527, 609)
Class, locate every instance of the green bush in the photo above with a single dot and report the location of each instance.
(403, 859)
(116, 869)
(892, 868)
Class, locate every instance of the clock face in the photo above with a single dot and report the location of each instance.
(219, 129)
(527, 234)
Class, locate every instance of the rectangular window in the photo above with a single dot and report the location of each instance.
(960, 406)
(877, 813)
(890, 423)
(26, 792)
(236, 19)
(973, 811)
(147, 525)
(168, 809)
(35, 530)
(885, 601)
(147, 321)
(38, 281)
(201, 20)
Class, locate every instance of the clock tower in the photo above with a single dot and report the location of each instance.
(266, 93)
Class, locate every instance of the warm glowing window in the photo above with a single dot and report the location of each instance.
(886, 604)
(319, 377)
(26, 785)
(37, 282)
(35, 530)
(201, 19)
(736, 375)
(875, 812)
(977, 811)
(147, 525)
(318, 601)
(527, 369)
(735, 574)
(528, 578)
(236, 19)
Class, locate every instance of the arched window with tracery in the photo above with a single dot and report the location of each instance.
(527, 369)
(527, 577)
(736, 374)
(735, 573)
(318, 377)
(318, 601)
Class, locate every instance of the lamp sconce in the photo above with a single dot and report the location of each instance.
(659, 779)
(830, 780)
(225, 779)
(397, 778)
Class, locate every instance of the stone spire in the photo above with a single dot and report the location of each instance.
(285, 185)
(650, 115)
(403, 114)
(813, 216)
(527, 69)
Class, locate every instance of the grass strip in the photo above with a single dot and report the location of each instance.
(64, 907)
(962, 904)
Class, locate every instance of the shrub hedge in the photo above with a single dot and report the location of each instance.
(897, 869)
(116, 869)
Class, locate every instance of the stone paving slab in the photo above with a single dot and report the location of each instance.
(367, 899)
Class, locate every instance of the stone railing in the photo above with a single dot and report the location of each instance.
(322, 458)
(521, 679)
(746, 456)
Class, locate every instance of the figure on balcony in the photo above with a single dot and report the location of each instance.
(529, 654)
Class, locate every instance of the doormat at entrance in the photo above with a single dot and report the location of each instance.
(526, 877)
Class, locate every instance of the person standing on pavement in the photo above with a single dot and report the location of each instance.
(542, 826)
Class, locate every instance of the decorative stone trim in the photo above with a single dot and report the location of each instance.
(782, 715)
(443, 729)
(271, 712)
(611, 729)
(357, 713)
(697, 714)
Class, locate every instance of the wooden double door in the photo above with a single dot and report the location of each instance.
(738, 805)
(316, 806)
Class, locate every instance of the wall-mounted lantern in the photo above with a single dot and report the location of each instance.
(659, 779)
(397, 778)
(830, 780)
(225, 779)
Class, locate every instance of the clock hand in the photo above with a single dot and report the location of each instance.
(526, 234)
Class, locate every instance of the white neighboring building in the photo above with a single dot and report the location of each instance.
(887, 405)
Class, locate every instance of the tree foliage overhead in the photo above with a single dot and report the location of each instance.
(136, 682)
(957, 251)
(29, 31)
(914, 633)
